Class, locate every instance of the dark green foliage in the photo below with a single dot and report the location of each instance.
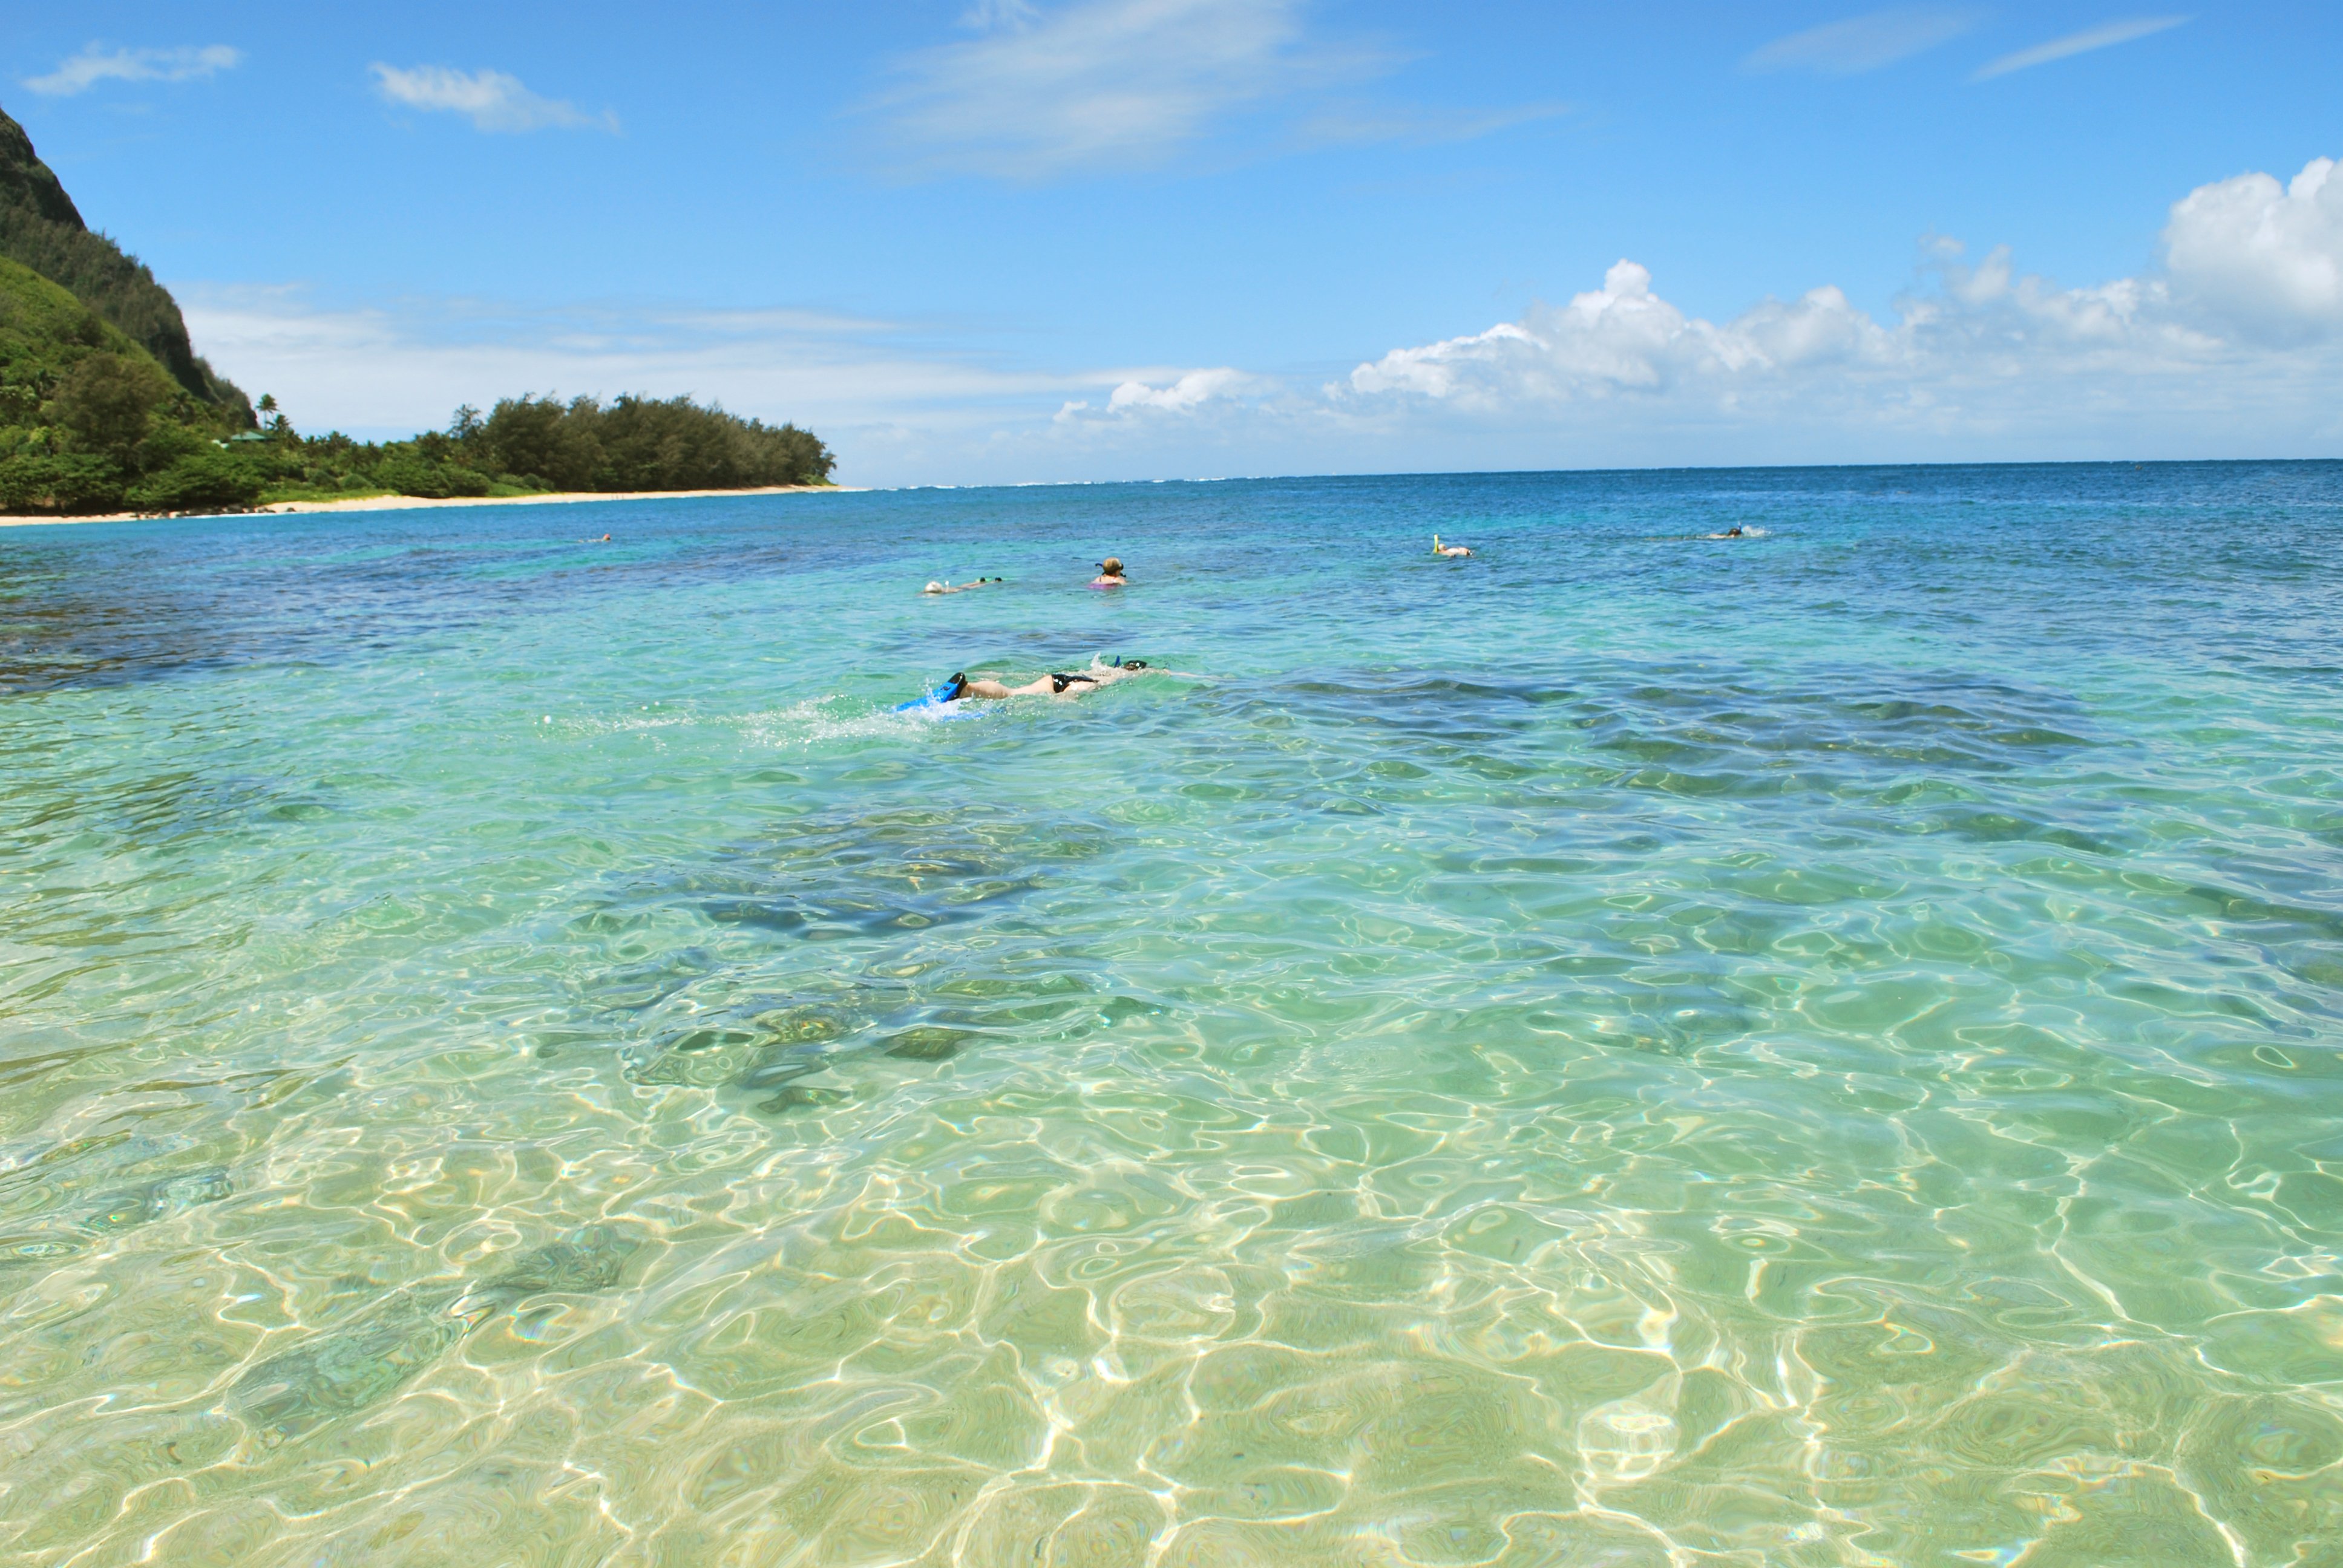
(204, 481)
(84, 411)
(67, 486)
(536, 444)
(537, 437)
(44, 331)
(413, 474)
(106, 403)
(167, 443)
(646, 444)
(40, 229)
(27, 182)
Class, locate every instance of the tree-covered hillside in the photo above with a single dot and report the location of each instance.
(41, 228)
(104, 405)
(90, 421)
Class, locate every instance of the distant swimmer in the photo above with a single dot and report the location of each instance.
(1453, 552)
(961, 587)
(1110, 574)
(1735, 532)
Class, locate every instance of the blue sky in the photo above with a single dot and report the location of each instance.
(1000, 240)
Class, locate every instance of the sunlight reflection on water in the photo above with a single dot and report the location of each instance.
(1814, 1050)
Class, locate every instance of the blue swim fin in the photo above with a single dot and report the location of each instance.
(940, 700)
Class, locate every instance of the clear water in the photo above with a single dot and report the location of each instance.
(1628, 1049)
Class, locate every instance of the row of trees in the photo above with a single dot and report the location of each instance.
(111, 432)
(529, 445)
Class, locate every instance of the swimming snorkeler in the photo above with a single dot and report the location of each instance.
(1067, 684)
(1735, 532)
(1110, 574)
(1453, 552)
(961, 587)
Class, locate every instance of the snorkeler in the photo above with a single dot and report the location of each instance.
(1067, 684)
(1110, 574)
(1453, 552)
(947, 587)
(1735, 532)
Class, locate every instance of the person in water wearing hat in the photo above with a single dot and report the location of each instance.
(1453, 552)
(1110, 574)
(1066, 684)
(960, 588)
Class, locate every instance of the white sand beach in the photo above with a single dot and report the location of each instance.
(408, 503)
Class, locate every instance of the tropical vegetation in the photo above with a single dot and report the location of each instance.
(534, 444)
(104, 405)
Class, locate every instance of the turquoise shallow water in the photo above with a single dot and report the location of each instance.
(1629, 1049)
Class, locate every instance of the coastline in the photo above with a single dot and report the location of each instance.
(411, 503)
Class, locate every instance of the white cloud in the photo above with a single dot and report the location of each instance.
(2083, 43)
(492, 100)
(1623, 339)
(1101, 83)
(1183, 393)
(1190, 390)
(1861, 44)
(2264, 258)
(2232, 346)
(95, 64)
(2232, 337)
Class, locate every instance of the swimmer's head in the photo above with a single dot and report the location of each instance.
(1112, 565)
(933, 588)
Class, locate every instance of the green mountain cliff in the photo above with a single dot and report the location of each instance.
(41, 228)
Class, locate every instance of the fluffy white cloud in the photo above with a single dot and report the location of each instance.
(492, 100)
(95, 64)
(1185, 392)
(1625, 338)
(2263, 258)
(2232, 331)
(1866, 43)
(2227, 349)
(2103, 37)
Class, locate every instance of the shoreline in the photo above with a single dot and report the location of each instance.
(414, 503)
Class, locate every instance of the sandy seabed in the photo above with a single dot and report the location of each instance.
(407, 503)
